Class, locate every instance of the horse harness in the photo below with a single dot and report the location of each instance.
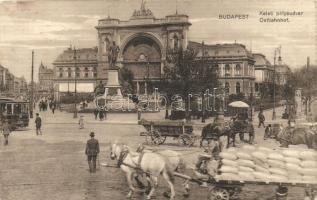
(138, 168)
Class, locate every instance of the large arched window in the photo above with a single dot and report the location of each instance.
(238, 89)
(227, 70)
(227, 87)
(238, 70)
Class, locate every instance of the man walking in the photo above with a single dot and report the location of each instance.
(261, 119)
(53, 106)
(6, 131)
(38, 124)
(92, 151)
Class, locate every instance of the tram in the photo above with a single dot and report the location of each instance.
(15, 111)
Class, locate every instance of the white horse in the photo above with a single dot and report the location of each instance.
(174, 159)
(151, 164)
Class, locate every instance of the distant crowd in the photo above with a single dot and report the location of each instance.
(45, 103)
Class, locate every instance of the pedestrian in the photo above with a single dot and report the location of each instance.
(96, 113)
(6, 131)
(81, 122)
(268, 132)
(53, 106)
(92, 151)
(251, 132)
(261, 119)
(38, 124)
(101, 115)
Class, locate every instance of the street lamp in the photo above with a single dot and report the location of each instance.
(274, 113)
(251, 101)
(75, 59)
(32, 87)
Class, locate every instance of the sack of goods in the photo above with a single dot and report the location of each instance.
(251, 163)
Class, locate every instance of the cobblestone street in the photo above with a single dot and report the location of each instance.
(53, 166)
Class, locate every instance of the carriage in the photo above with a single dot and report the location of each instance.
(157, 132)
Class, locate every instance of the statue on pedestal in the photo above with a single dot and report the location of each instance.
(113, 52)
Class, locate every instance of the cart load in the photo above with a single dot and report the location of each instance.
(251, 163)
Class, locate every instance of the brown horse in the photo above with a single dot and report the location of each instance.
(214, 131)
(294, 136)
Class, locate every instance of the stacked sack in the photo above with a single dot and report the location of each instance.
(263, 164)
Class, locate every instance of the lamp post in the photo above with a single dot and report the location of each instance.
(202, 70)
(274, 113)
(32, 87)
(251, 102)
(75, 62)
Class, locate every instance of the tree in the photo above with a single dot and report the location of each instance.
(186, 74)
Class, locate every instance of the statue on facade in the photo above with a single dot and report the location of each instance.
(113, 52)
(99, 89)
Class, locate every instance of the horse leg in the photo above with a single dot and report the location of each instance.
(169, 179)
(154, 181)
(138, 182)
(251, 138)
(241, 134)
(149, 184)
(129, 180)
(234, 140)
(186, 187)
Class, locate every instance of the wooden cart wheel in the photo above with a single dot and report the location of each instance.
(156, 138)
(148, 138)
(218, 193)
(186, 140)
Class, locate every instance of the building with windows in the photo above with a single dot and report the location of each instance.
(264, 72)
(46, 76)
(78, 66)
(143, 41)
(282, 72)
(19, 86)
(11, 85)
(235, 65)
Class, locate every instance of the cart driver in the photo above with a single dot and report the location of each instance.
(206, 167)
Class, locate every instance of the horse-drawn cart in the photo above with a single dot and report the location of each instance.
(230, 189)
(157, 132)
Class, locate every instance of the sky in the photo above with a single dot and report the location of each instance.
(50, 26)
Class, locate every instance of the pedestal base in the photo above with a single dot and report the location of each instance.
(112, 91)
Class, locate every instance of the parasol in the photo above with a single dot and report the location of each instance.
(239, 104)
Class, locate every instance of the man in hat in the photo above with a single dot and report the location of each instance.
(261, 119)
(38, 124)
(92, 151)
(6, 131)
